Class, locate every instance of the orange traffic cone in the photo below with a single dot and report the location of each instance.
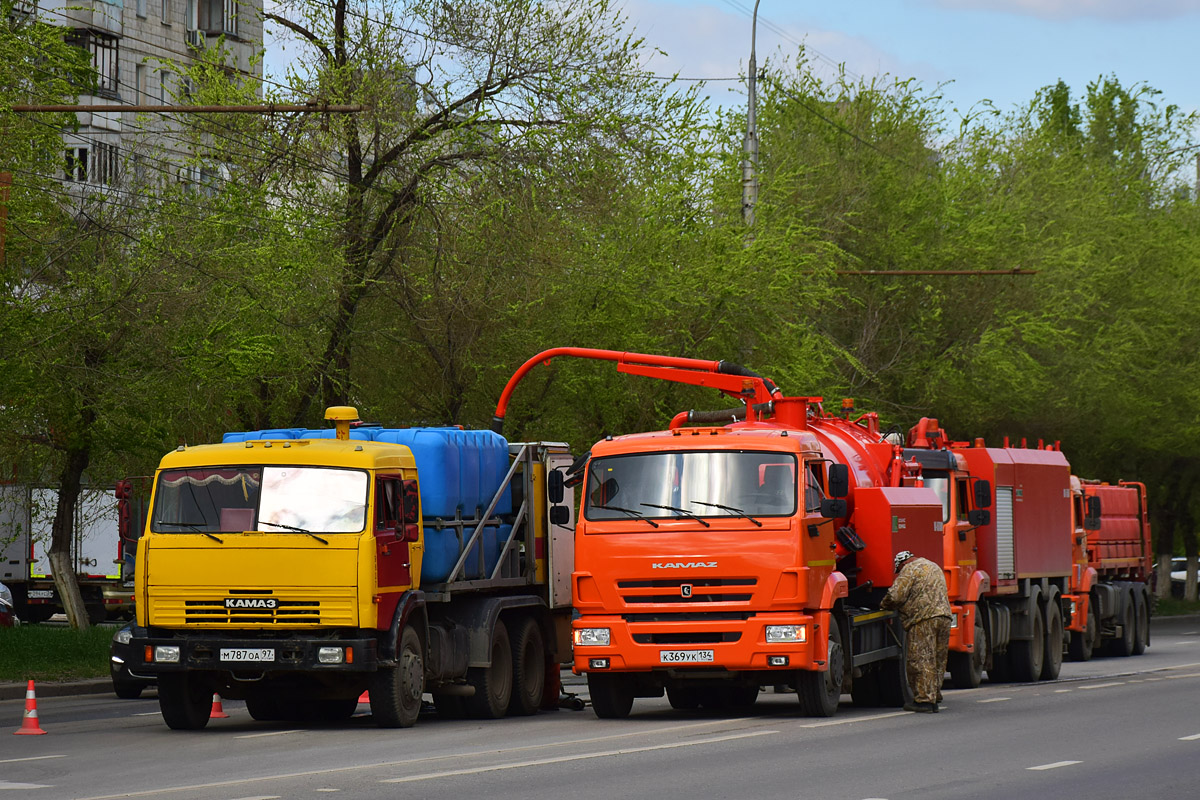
(364, 698)
(217, 712)
(29, 725)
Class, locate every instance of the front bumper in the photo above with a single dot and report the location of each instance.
(648, 647)
(289, 654)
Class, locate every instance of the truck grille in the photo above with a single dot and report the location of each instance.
(684, 590)
(287, 611)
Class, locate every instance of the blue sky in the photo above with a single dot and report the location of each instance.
(1000, 50)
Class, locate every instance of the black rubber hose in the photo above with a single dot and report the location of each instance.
(727, 414)
(728, 368)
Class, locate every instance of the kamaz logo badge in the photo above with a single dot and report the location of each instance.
(685, 590)
(251, 602)
(684, 565)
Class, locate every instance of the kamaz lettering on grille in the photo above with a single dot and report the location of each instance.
(251, 602)
(684, 565)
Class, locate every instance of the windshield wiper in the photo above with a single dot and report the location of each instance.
(193, 527)
(629, 511)
(681, 511)
(297, 530)
(737, 511)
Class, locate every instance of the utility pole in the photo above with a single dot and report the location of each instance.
(750, 162)
(5, 184)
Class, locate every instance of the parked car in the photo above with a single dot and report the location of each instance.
(1178, 575)
(126, 684)
(8, 614)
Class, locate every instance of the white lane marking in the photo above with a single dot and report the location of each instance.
(1177, 677)
(1062, 691)
(328, 790)
(409, 761)
(1103, 685)
(1191, 738)
(994, 700)
(6, 785)
(260, 797)
(577, 757)
(28, 758)
(854, 719)
(269, 733)
(147, 714)
(1055, 765)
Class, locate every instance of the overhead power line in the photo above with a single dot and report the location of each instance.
(267, 108)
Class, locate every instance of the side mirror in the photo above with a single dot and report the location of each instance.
(983, 494)
(560, 515)
(411, 532)
(1091, 514)
(410, 503)
(839, 484)
(574, 475)
(979, 516)
(833, 508)
(554, 486)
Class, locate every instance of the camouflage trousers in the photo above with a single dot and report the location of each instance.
(928, 642)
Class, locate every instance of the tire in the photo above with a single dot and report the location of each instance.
(966, 669)
(684, 698)
(725, 698)
(1001, 670)
(396, 691)
(612, 694)
(1052, 662)
(263, 705)
(1141, 639)
(493, 684)
(1123, 646)
(1028, 656)
(820, 692)
(128, 690)
(1083, 642)
(185, 701)
(865, 691)
(528, 669)
(894, 690)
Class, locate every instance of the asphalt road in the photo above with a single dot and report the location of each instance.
(1110, 728)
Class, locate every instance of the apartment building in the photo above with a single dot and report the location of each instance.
(135, 45)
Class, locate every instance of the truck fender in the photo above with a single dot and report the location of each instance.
(978, 585)
(480, 614)
(836, 587)
(411, 607)
(1022, 620)
(1087, 580)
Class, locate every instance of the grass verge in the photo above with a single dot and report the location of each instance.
(1173, 607)
(44, 653)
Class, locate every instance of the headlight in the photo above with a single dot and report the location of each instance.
(5, 595)
(787, 633)
(124, 636)
(329, 655)
(166, 653)
(592, 636)
(954, 620)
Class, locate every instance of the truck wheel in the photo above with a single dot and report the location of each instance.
(684, 698)
(263, 705)
(966, 669)
(612, 694)
(396, 691)
(865, 692)
(1124, 646)
(820, 692)
(528, 668)
(185, 701)
(128, 690)
(1141, 639)
(493, 684)
(1052, 663)
(334, 710)
(1027, 656)
(1084, 642)
(894, 690)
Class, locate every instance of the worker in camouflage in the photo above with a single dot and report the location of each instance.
(919, 594)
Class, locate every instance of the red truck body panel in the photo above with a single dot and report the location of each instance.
(1122, 545)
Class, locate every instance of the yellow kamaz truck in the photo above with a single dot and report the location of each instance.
(296, 569)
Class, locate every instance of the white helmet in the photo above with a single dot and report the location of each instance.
(901, 557)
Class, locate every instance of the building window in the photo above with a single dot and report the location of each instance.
(141, 8)
(166, 12)
(139, 84)
(105, 51)
(218, 17)
(95, 162)
(164, 88)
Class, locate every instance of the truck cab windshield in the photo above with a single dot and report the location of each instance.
(251, 498)
(692, 484)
